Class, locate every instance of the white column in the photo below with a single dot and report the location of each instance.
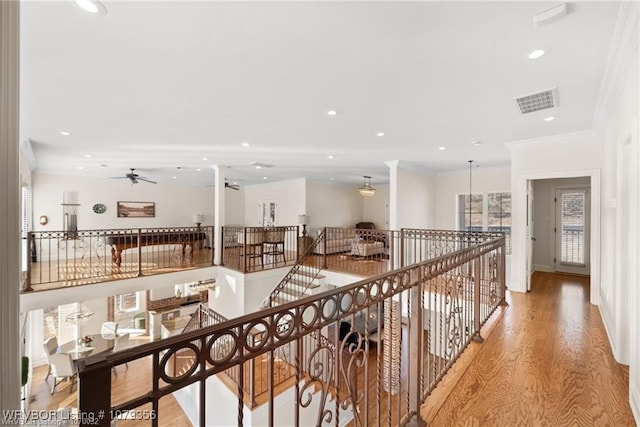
(9, 206)
(393, 193)
(218, 212)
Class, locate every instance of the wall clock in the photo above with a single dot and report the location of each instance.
(99, 208)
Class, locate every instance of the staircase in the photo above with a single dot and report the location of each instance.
(302, 280)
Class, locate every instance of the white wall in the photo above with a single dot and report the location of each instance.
(620, 297)
(175, 204)
(416, 198)
(375, 209)
(289, 197)
(332, 205)
(450, 184)
(234, 201)
(544, 218)
(574, 155)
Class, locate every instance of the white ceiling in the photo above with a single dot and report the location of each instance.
(160, 85)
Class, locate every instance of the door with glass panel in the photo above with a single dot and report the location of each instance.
(572, 231)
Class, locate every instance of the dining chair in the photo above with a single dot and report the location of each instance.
(109, 330)
(62, 369)
(121, 343)
(50, 347)
(273, 243)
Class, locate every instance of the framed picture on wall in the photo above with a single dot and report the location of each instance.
(136, 209)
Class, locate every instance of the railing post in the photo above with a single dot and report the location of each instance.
(252, 382)
(94, 394)
(139, 252)
(213, 246)
(324, 249)
(476, 297)
(415, 351)
(502, 271)
(243, 250)
(30, 248)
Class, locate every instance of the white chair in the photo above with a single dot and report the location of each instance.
(50, 347)
(109, 330)
(121, 343)
(62, 369)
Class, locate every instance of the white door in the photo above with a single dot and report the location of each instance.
(572, 231)
(530, 236)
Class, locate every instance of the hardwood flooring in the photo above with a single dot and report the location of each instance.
(547, 363)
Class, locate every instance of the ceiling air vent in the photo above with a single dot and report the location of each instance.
(538, 101)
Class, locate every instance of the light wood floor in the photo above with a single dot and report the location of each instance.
(547, 363)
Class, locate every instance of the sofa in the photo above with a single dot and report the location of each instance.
(336, 241)
(368, 231)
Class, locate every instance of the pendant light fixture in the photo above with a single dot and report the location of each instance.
(367, 190)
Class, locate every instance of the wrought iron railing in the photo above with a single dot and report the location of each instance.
(59, 259)
(203, 317)
(367, 252)
(250, 249)
(374, 369)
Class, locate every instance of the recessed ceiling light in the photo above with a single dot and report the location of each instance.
(537, 53)
(80, 167)
(88, 156)
(331, 179)
(329, 156)
(205, 158)
(65, 133)
(380, 134)
(476, 143)
(332, 112)
(264, 177)
(92, 6)
(550, 118)
(198, 169)
(258, 167)
(442, 148)
(235, 182)
(245, 144)
(174, 177)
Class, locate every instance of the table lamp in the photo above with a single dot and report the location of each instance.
(302, 220)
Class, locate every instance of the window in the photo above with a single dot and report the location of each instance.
(50, 322)
(126, 302)
(470, 213)
(486, 212)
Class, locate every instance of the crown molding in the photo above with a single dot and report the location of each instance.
(623, 48)
(551, 138)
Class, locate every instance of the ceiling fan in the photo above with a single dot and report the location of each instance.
(231, 186)
(134, 177)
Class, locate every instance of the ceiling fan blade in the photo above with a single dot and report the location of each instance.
(146, 180)
(117, 177)
(231, 186)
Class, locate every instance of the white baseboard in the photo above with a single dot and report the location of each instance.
(634, 401)
(609, 329)
(542, 267)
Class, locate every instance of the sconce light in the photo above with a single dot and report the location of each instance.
(44, 220)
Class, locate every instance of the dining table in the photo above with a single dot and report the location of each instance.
(79, 351)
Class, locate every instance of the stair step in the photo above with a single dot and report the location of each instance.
(303, 283)
(308, 274)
